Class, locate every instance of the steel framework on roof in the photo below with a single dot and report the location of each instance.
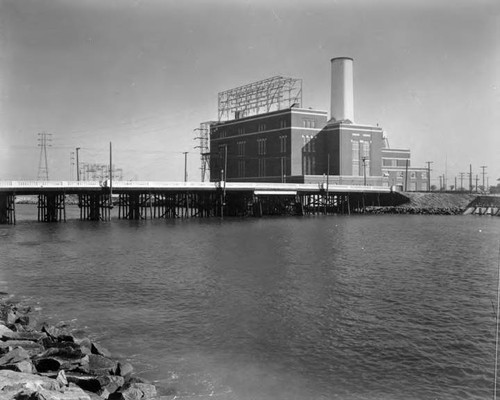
(260, 97)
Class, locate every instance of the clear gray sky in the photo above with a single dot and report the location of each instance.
(144, 73)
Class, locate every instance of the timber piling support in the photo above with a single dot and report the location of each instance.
(7, 209)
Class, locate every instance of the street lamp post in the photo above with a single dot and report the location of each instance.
(364, 170)
(77, 165)
(185, 166)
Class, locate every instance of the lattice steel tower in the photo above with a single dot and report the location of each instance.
(260, 97)
(203, 133)
(44, 140)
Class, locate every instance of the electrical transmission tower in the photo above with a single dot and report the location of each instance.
(204, 146)
(44, 140)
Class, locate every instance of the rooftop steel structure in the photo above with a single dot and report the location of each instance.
(260, 97)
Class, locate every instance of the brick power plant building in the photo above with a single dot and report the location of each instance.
(263, 134)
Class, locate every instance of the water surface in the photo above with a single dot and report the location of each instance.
(348, 307)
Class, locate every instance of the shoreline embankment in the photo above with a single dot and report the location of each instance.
(41, 361)
(428, 203)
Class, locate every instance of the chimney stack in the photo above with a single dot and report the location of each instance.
(342, 99)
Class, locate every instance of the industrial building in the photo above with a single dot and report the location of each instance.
(264, 134)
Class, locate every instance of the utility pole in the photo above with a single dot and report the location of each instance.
(456, 184)
(110, 175)
(327, 183)
(71, 164)
(462, 180)
(477, 179)
(406, 175)
(483, 167)
(364, 171)
(77, 165)
(429, 175)
(441, 183)
(43, 169)
(185, 166)
(470, 178)
(282, 170)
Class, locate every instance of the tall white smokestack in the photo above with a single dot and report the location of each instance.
(342, 100)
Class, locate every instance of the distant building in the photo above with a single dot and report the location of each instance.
(263, 134)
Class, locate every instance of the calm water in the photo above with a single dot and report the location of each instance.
(359, 307)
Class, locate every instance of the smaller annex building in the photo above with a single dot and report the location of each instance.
(265, 135)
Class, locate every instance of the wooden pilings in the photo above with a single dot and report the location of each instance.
(7, 209)
(169, 204)
(51, 207)
(182, 205)
(94, 207)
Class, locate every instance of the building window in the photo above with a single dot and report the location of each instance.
(241, 131)
(402, 163)
(365, 157)
(262, 167)
(413, 175)
(424, 175)
(309, 164)
(222, 134)
(262, 127)
(261, 147)
(283, 123)
(241, 168)
(355, 157)
(309, 143)
(309, 123)
(241, 148)
(283, 144)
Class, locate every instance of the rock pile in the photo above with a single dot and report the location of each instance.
(415, 210)
(51, 364)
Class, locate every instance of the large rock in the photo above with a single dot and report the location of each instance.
(59, 334)
(96, 384)
(20, 366)
(4, 330)
(57, 358)
(32, 348)
(99, 365)
(10, 380)
(136, 391)
(15, 355)
(124, 369)
(17, 385)
(31, 336)
(85, 345)
(99, 350)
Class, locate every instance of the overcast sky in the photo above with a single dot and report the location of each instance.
(144, 74)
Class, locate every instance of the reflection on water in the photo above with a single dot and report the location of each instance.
(359, 307)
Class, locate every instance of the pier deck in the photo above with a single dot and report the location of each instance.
(149, 199)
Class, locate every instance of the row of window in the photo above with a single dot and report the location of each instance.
(392, 162)
(261, 168)
(261, 127)
(261, 146)
(412, 174)
(309, 143)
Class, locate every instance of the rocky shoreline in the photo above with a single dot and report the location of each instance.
(45, 362)
(415, 210)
